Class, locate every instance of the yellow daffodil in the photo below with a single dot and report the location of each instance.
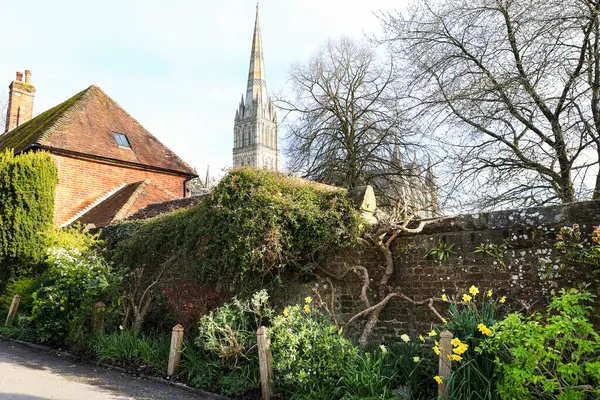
(383, 348)
(405, 338)
(341, 330)
(308, 300)
(432, 333)
(473, 290)
(454, 357)
(466, 297)
(286, 312)
(444, 297)
(438, 379)
(502, 299)
(306, 308)
(436, 342)
(416, 359)
(484, 329)
(421, 338)
(456, 342)
(436, 350)
(460, 349)
(489, 293)
(444, 321)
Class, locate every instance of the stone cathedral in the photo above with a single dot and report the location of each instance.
(255, 130)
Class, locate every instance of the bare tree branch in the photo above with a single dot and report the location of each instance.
(509, 90)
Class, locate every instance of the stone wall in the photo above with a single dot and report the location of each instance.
(532, 266)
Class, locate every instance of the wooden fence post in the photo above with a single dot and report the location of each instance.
(99, 317)
(445, 364)
(176, 346)
(14, 306)
(265, 361)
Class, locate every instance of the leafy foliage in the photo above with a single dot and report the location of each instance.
(308, 352)
(555, 355)
(496, 251)
(25, 287)
(27, 184)
(72, 275)
(441, 252)
(230, 330)
(256, 224)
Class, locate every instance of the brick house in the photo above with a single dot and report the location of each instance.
(109, 166)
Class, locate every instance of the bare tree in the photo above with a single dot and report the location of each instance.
(344, 126)
(510, 89)
(381, 237)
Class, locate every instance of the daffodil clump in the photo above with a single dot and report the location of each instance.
(471, 317)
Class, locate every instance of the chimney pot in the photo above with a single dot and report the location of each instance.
(19, 76)
(28, 76)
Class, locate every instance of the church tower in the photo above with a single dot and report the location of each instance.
(255, 140)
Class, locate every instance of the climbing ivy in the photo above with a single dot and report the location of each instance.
(254, 227)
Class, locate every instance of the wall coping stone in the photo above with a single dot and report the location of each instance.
(535, 217)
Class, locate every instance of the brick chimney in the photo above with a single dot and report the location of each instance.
(20, 101)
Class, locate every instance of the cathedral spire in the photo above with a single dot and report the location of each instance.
(257, 83)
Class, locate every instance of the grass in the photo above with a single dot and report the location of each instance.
(131, 351)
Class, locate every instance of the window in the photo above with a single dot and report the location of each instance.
(121, 140)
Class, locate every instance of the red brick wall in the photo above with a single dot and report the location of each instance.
(20, 104)
(532, 268)
(82, 181)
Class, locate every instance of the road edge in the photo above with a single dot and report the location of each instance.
(63, 353)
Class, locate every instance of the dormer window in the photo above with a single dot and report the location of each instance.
(122, 140)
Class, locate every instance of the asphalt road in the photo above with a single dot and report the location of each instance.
(32, 374)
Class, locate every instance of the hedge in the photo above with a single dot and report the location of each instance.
(27, 185)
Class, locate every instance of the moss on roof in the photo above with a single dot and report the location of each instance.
(31, 131)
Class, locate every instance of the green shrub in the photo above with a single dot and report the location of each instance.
(72, 276)
(228, 335)
(254, 226)
(230, 331)
(19, 333)
(27, 184)
(25, 287)
(555, 355)
(308, 353)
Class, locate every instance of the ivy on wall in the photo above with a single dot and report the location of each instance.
(254, 227)
(27, 185)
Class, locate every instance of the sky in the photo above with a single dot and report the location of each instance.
(180, 66)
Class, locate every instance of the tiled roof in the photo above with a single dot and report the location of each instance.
(156, 209)
(86, 124)
(121, 204)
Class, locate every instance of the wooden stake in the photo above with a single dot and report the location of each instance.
(445, 364)
(176, 346)
(14, 306)
(266, 364)
(99, 317)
